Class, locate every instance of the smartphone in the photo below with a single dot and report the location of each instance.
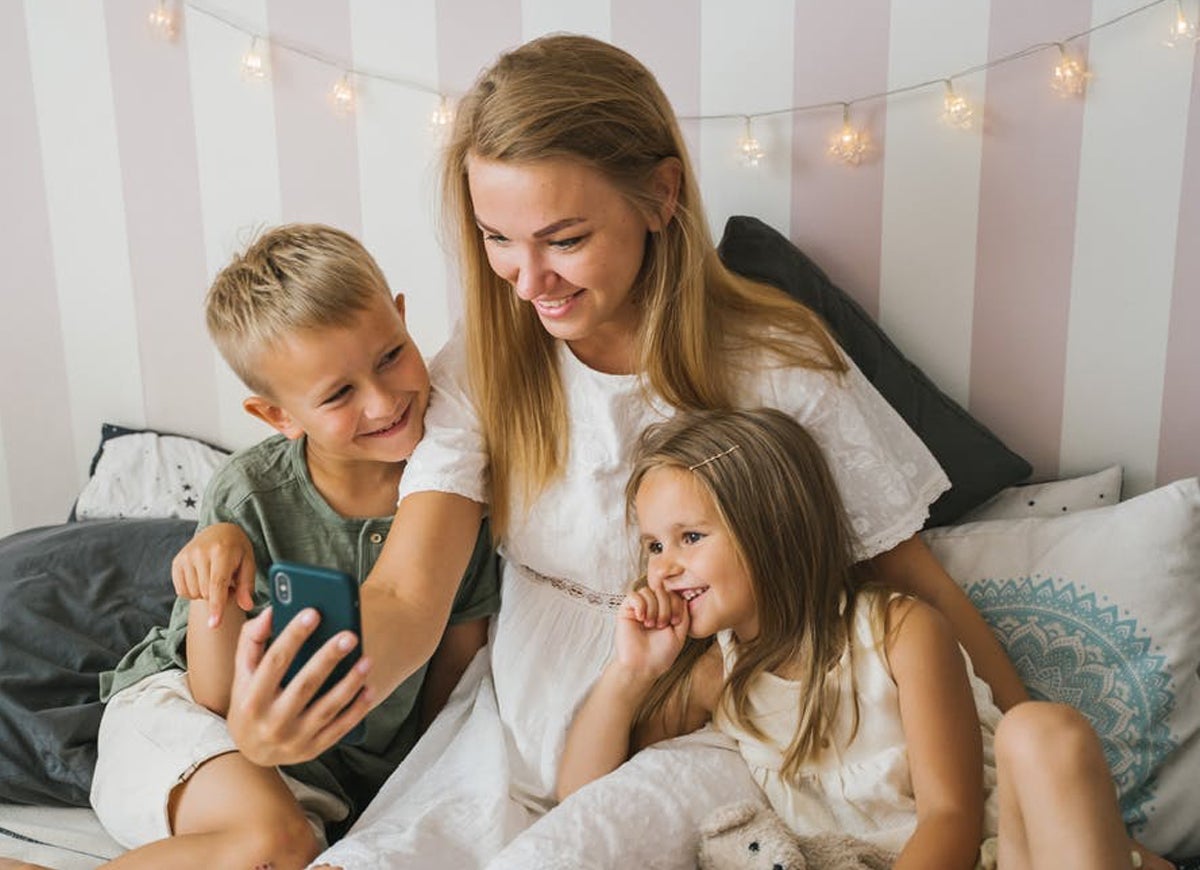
(334, 595)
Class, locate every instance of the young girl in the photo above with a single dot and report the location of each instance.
(854, 706)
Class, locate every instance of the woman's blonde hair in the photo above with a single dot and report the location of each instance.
(580, 99)
(776, 497)
(292, 277)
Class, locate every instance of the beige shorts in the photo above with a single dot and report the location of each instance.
(153, 736)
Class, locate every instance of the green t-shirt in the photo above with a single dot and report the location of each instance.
(267, 491)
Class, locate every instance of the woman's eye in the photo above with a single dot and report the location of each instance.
(566, 244)
(691, 537)
(495, 238)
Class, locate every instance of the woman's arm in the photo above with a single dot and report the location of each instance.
(911, 567)
(941, 730)
(405, 603)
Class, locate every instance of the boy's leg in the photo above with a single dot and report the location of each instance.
(170, 785)
(1058, 805)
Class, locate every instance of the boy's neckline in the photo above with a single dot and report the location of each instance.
(368, 490)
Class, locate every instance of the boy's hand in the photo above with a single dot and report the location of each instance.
(275, 725)
(217, 559)
(652, 626)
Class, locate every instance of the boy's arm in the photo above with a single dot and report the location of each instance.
(405, 605)
(459, 645)
(911, 567)
(210, 655)
(941, 730)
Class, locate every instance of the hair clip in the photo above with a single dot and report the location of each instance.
(713, 458)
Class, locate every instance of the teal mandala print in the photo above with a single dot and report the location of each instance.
(1069, 647)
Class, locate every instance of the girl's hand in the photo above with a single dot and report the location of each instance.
(219, 558)
(651, 629)
(273, 725)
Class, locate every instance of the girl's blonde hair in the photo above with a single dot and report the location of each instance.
(775, 495)
(292, 277)
(580, 99)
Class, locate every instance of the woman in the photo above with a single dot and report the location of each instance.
(595, 305)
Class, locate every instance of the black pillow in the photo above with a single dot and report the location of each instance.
(978, 463)
(73, 599)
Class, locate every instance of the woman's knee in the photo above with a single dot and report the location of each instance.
(1044, 736)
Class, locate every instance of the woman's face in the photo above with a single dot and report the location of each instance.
(570, 245)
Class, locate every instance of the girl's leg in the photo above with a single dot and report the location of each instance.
(230, 813)
(1058, 805)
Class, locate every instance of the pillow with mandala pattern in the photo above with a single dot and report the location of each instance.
(1100, 609)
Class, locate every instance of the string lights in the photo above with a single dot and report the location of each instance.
(849, 144)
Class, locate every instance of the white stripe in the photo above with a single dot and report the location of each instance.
(931, 189)
(735, 78)
(238, 166)
(1134, 132)
(7, 523)
(397, 158)
(587, 17)
(77, 127)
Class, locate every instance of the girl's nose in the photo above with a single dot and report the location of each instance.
(664, 568)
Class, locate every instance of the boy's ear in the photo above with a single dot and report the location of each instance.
(273, 415)
(665, 183)
(400, 306)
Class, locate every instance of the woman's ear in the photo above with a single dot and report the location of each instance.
(273, 415)
(664, 184)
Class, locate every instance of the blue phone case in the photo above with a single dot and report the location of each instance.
(333, 594)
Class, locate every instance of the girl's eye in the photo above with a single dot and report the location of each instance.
(692, 537)
(654, 548)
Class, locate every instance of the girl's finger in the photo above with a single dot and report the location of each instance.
(664, 606)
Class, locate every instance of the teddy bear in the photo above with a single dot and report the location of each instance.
(749, 835)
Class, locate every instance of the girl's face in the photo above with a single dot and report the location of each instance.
(570, 245)
(689, 551)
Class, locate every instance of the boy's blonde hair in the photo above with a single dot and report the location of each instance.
(775, 495)
(292, 277)
(577, 98)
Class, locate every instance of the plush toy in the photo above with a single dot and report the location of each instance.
(749, 835)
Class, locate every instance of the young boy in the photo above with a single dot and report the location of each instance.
(306, 319)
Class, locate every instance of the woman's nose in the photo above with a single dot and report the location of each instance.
(531, 278)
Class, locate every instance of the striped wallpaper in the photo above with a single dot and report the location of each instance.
(1037, 268)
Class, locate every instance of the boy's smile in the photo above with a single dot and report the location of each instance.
(358, 391)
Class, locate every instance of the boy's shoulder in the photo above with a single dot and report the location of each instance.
(263, 467)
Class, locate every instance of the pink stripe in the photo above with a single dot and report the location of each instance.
(35, 400)
(837, 210)
(1179, 439)
(665, 36)
(161, 185)
(317, 146)
(471, 35)
(1028, 184)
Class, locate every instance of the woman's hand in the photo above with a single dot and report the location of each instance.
(651, 629)
(218, 559)
(275, 725)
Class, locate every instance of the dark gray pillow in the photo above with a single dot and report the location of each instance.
(978, 463)
(73, 599)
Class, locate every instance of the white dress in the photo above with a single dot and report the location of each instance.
(485, 770)
(861, 786)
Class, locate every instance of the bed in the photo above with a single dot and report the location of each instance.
(1096, 599)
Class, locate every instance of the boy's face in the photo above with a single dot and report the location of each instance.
(359, 392)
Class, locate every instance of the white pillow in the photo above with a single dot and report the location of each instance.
(1101, 610)
(145, 474)
(1052, 498)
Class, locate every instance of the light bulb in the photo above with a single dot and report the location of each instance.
(162, 21)
(1070, 75)
(254, 68)
(957, 110)
(343, 95)
(443, 114)
(749, 151)
(1182, 30)
(849, 144)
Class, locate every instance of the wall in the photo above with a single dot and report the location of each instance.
(1037, 268)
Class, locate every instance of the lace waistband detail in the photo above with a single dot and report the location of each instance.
(570, 588)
